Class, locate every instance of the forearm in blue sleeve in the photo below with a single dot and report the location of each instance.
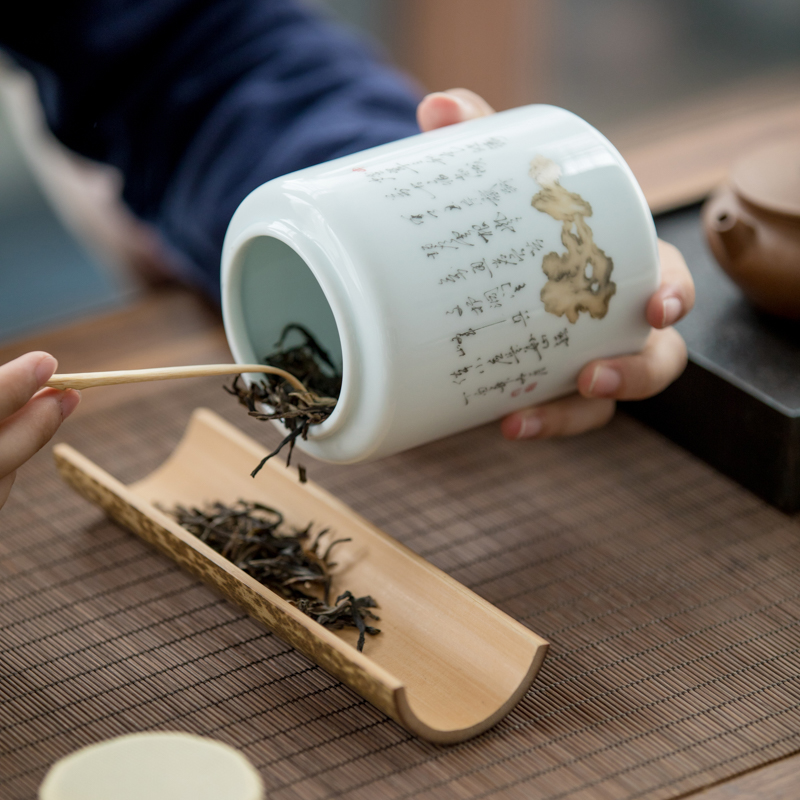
(197, 103)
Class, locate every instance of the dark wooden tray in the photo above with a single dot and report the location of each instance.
(737, 406)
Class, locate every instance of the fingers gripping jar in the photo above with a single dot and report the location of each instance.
(454, 276)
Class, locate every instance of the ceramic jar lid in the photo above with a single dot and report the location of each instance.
(154, 766)
(770, 177)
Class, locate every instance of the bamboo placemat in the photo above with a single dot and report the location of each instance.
(671, 598)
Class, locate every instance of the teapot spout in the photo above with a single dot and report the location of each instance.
(734, 233)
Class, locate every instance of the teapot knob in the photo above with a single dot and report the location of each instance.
(734, 233)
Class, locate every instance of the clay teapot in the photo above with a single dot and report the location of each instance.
(752, 224)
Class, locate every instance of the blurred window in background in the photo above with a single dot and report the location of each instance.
(617, 63)
(621, 61)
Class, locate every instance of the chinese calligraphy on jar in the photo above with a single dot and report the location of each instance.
(474, 226)
(486, 262)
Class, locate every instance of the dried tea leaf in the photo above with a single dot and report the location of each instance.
(250, 535)
(298, 411)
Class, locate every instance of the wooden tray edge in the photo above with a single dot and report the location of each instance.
(377, 685)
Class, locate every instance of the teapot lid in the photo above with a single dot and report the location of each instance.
(770, 177)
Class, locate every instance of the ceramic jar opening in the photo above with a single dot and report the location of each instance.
(271, 286)
(455, 276)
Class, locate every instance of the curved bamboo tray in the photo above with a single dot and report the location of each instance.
(447, 665)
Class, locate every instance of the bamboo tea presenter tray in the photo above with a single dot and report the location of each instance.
(447, 664)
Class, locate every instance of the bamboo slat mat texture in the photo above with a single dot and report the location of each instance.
(671, 598)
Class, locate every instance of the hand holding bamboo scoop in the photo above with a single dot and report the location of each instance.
(304, 406)
(86, 380)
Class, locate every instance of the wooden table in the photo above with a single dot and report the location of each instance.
(174, 327)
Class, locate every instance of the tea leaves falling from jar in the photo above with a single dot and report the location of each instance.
(248, 534)
(310, 363)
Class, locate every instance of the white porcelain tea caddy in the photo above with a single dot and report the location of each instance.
(455, 276)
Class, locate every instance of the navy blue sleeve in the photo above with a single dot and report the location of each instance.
(198, 102)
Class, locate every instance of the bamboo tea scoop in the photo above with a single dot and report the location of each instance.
(85, 380)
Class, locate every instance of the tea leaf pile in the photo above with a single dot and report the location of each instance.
(248, 535)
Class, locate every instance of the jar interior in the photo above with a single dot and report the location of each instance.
(278, 289)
